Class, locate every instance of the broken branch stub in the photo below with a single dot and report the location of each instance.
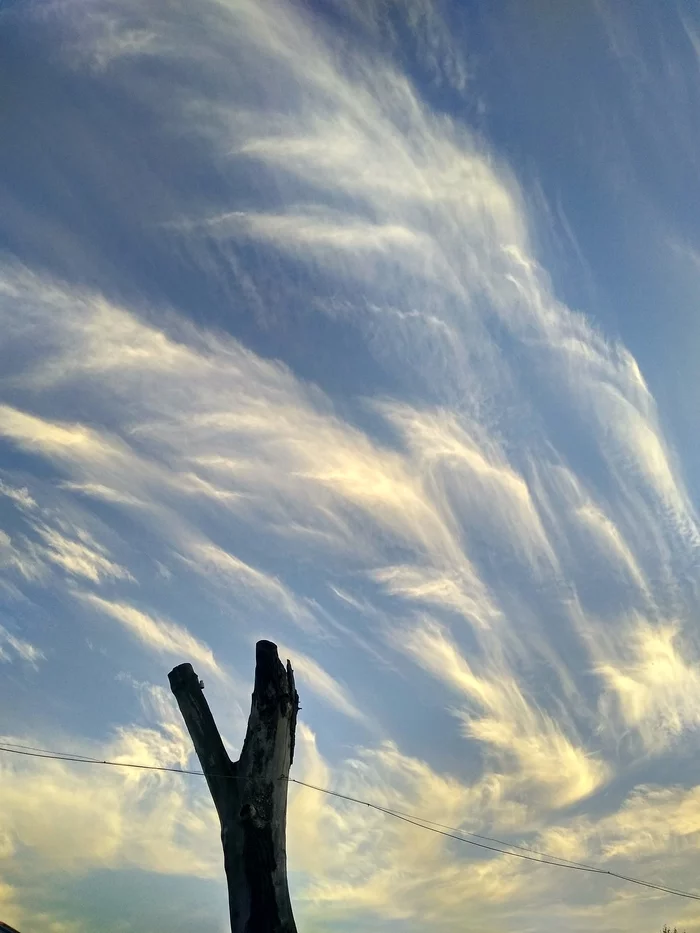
(250, 794)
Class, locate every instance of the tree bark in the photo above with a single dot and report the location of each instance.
(250, 794)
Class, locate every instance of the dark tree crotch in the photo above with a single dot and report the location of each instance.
(250, 794)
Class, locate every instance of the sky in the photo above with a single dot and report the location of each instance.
(372, 329)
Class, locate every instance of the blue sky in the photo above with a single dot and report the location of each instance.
(371, 329)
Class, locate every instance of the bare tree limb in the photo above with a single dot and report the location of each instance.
(250, 795)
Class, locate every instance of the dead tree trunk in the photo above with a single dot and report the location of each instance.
(250, 794)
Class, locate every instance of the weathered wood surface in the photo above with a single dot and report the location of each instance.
(250, 794)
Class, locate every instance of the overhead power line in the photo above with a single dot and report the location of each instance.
(73, 756)
(450, 832)
(32, 752)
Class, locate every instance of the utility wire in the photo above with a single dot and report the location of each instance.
(545, 860)
(11, 746)
(422, 823)
(74, 756)
(452, 829)
(83, 759)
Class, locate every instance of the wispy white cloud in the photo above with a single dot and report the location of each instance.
(20, 556)
(313, 677)
(18, 494)
(71, 442)
(12, 648)
(653, 683)
(105, 493)
(212, 561)
(531, 746)
(427, 586)
(299, 233)
(80, 556)
(478, 477)
(296, 462)
(157, 634)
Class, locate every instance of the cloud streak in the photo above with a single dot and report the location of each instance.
(13, 648)
(158, 635)
(313, 677)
